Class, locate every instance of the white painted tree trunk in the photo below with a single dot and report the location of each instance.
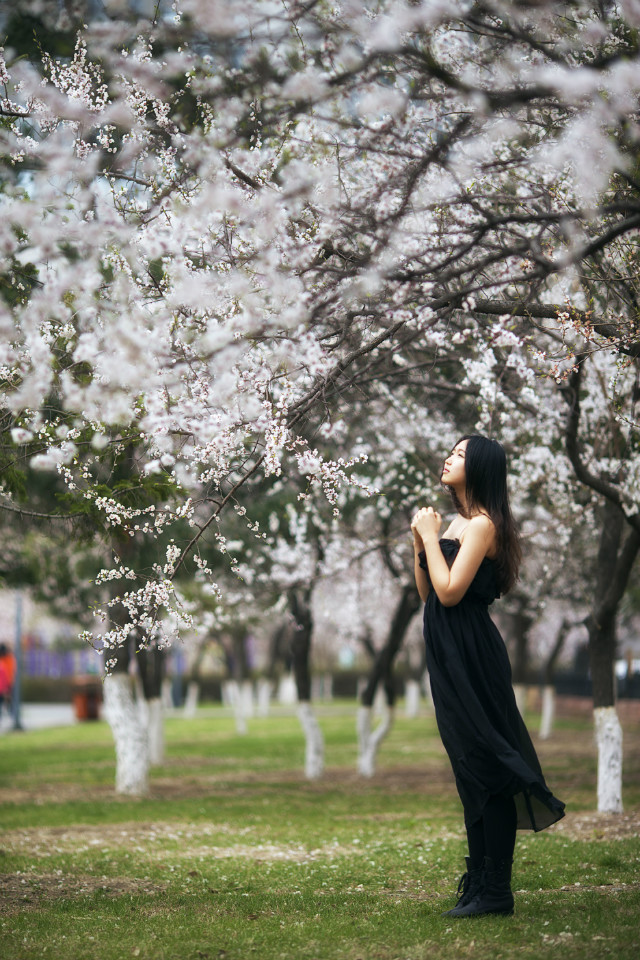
(316, 687)
(426, 689)
(380, 702)
(263, 704)
(129, 735)
(520, 691)
(155, 731)
(287, 692)
(412, 699)
(228, 691)
(239, 696)
(609, 741)
(369, 740)
(191, 699)
(231, 698)
(167, 697)
(314, 742)
(548, 711)
(246, 699)
(322, 686)
(152, 718)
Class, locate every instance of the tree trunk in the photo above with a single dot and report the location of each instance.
(616, 556)
(154, 711)
(520, 693)
(129, 733)
(314, 742)
(381, 672)
(279, 651)
(287, 693)
(602, 644)
(520, 623)
(300, 642)
(239, 697)
(548, 713)
(263, 698)
(609, 741)
(302, 627)
(192, 695)
(167, 693)
(369, 741)
(151, 662)
(191, 699)
(412, 699)
(238, 690)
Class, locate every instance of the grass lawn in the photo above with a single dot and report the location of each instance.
(235, 855)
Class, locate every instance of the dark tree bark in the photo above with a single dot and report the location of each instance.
(617, 553)
(520, 622)
(235, 654)
(382, 671)
(151, 664)
(196, 664)
(300, 607)
(279, 650)
(549, 667)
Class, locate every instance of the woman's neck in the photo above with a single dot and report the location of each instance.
(462, 503)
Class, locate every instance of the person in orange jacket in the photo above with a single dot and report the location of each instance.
(7, 675)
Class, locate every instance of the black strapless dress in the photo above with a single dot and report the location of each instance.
(481, 728)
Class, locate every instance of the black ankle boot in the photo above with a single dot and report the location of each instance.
(468, 887)
(494, 895)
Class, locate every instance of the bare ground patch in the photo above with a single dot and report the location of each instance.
(20, 892)
(158, 841)
(599, 826)
(433, 779)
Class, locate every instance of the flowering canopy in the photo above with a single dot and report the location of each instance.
(226, 227)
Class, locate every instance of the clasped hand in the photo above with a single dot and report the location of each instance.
(426, 522)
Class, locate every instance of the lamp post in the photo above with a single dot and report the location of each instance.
(17, 683)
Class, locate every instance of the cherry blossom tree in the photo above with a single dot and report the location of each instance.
(224, 224)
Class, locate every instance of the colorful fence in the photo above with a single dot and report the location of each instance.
(53, 663)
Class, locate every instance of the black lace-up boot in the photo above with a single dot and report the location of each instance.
(494, 895)
(468, 887)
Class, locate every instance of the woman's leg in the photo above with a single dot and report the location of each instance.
(469, 885)
(499, 822)
(476, 841)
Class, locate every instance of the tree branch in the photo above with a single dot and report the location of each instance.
(605, 488)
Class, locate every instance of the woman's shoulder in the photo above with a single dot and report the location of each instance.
(482, 522)
(482, 527)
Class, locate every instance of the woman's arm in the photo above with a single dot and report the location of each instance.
(422, 582)
(451, 584)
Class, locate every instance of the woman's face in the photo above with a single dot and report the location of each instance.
(453, 473)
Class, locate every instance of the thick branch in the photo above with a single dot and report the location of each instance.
(541, 311)
(619, 578)
(605, 488)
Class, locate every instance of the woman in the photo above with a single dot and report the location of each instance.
(497, 772)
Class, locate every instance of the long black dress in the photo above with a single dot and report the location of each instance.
(481, 728)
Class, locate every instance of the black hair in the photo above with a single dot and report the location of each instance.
(485, 465)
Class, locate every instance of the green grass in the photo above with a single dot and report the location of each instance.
(234, 854)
